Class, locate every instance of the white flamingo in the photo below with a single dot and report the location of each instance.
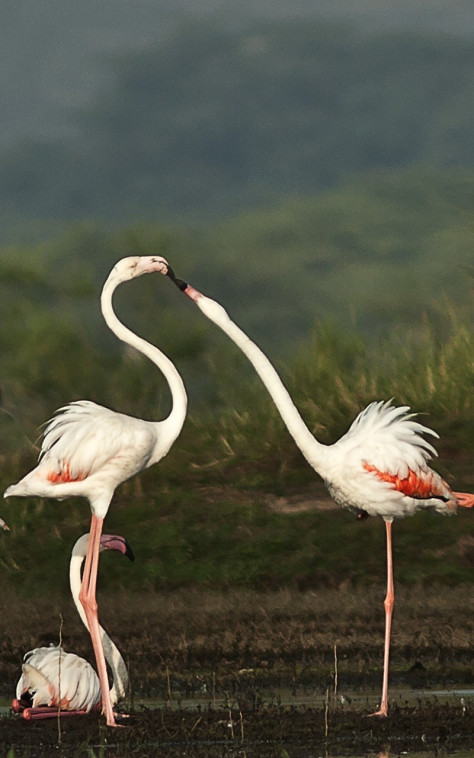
(379, 467)
(88, 450)
(54, 682)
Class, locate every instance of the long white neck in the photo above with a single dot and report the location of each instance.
(313, 451)
(179, 398)
(111, 651)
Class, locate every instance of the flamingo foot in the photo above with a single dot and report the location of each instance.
(18, 706)
(382, 712)
(118, 717)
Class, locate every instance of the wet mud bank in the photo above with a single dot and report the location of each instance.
(300, 731)
(256, 675)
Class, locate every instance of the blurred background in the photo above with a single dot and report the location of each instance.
(308, 163)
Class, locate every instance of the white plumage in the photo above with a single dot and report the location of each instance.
(380, 466)
(51, 677)
(87, 447)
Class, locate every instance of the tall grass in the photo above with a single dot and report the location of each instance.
(204, 515)
(333, 377)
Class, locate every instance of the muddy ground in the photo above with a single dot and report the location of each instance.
(265, 732)
(257, 674)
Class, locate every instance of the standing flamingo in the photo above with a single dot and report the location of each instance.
(54, 682)
(379, 467)
(88, 450)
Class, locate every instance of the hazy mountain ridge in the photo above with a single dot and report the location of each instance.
(200, 117)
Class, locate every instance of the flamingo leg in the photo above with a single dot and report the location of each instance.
(87, 597)
(48, 712)
(388, 604)
(52, 711)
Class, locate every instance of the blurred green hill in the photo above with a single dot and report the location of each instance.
(381, 252)
(216, 119)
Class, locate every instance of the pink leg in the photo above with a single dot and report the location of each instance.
(87, 596)
(45, 711)
(48, 712)
(52, 712)
(388, 603)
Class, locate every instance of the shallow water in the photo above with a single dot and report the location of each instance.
(399, 696)
(229, 740)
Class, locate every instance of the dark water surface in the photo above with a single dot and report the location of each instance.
(421, 724)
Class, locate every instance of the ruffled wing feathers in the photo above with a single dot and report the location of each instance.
(389, 438)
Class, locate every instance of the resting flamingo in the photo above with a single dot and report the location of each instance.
(378, 468)
(54, 682)
(88, 450)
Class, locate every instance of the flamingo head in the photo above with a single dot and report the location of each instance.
(136, 265)
(107, 542)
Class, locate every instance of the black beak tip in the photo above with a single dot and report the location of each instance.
(179, 282)
(170, 273)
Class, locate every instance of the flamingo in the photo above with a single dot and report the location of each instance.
(379, 467)
(54, 682)
(88, 450)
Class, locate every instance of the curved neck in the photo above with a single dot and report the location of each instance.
(313, 451)
(178, 391)
(111, 651)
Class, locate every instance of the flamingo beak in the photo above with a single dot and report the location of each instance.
(179, 282)
(116, 542)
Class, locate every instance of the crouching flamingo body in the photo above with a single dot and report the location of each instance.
(55, 682)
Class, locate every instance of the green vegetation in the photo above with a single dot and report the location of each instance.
(382, 249)
(208, 514)
(364, 292)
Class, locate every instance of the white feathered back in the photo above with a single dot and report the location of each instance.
(54, 677)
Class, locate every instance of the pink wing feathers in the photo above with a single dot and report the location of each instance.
(389, 444)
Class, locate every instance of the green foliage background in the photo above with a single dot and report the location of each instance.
(360, 293)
